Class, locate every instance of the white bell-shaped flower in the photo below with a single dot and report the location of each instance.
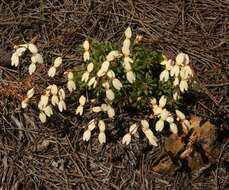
(71, 85)
(61, 105)
(54, 100)
(180, 115)
(14, 59)
(52, 72)
(70, 75)
(20, 51)
(32, 68)
(24, 103)
(86, 56)
(110, 94)
(180, 59)
(30, 93)
(61, 93)
(102, 138)
(126, 43)
(57, 62)
(183, 85)
(90, 67)
(42, 117)
(92, 125)
(82, 100)
(48, 111)
(96, 109)
(79, 110)
(164, 76)
(110, 111)
(128, 33)
(173, 128)
(86, 45)
(159, 125)
(133, 129)
(126, 139)
(86, 135)
(117, 84)
(32, 48)
(85, 76)
(130, 76)
(91, 81)
(162, 101)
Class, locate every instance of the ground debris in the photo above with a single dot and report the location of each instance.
(196, 148)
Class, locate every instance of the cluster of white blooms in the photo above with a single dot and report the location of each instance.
(71, 84)
(29, 95)
(107, 108)
(86, 55)
(79, 109)
(91, 126)
(86, 74)
(52, 69)
(35, 58)
(127, 60)
(163, 114)
(146, 130)
(180, 71)
(57, 99)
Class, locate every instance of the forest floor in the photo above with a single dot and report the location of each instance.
(53, 155)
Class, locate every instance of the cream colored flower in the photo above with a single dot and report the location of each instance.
(30, 93)
(104, 107)
(162, 101)
(105, 65)
(91, 125)
(42, 117)
(52, 72)
(48, 111)
(111, 74)
(126, 43)
(86, 56)
(117, 84)
(14, 59)
(112, 55)
(130, 76)
(43, 101)
(38, 58)
(150, 136)
(126, 51)
(85, 77)
(164, 76)
(133, 129)
(82, 100)
(180, 59)
(126, 139)
(32, 68)
(61, 93)
(24, 103)
(61, 105)
(180, 115)
(176, 81)
(54, 100)
(32, 48)
(183, 85)
(54, 89)
(110, 94)
(102, 138)
(70, 75)
(101, 125)
(79, 110)
(86, 45)
(110, 111)
(20, 51)
(57, 62)
(159, 125)
(96, 109)
(145, 124)
(71, 85)
(90, 67)
(86, 135)
(175, 70)
(91, 81)
(106, 85)
(128, 33)
(173, 128)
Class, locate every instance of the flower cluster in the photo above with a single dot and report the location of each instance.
(56, 64)
(57, 99)
(71, 84)
(112, 82)
(127, 60)
(91, 126)
(180, 71)
(35, 58)
(29, 95)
